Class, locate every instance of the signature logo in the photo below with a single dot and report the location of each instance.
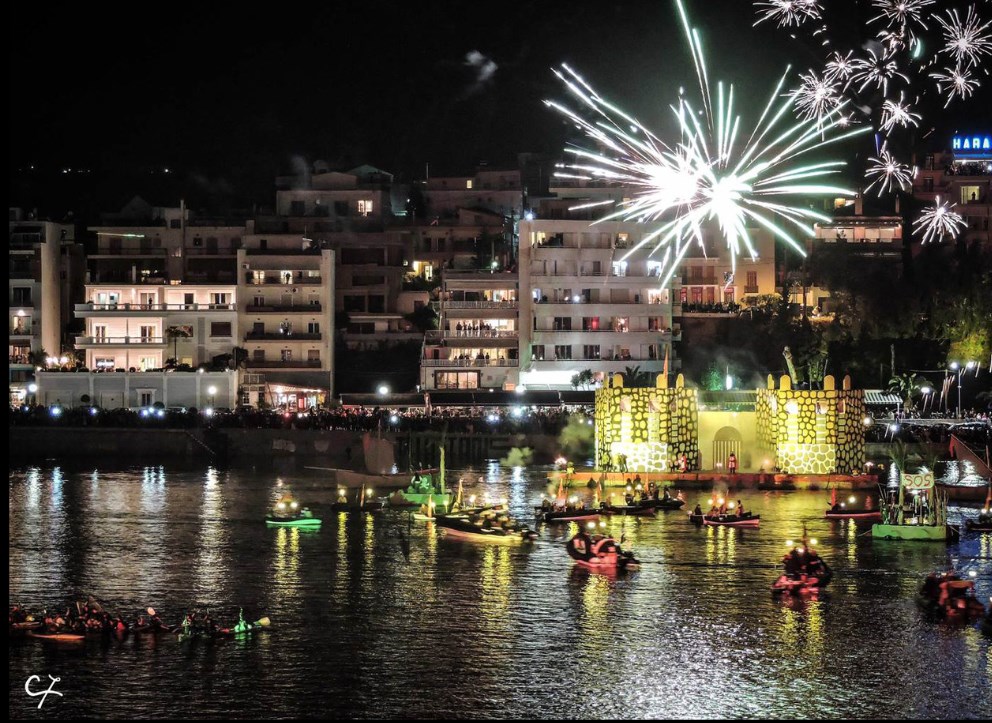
(43, 693)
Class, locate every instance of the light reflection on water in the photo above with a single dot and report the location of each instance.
(467, 629)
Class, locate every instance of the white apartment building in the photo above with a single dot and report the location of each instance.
(140, 327)
(710, 280)
(962, 176)
(477, 343)
(286, 320)
(583, 306)
(497, 191)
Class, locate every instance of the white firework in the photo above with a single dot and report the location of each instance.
(896, 113)
(956, 82)
(889, 173)
(938, 221)
(877, 69)
(816, 97)
(789, 12)
(901, 12)
(840, 66)
(711, 176)
(967, 40)
(893, 40)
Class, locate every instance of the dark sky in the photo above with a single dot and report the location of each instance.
(227, 97)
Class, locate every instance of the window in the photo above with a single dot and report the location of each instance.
(590, 351)
(220, 328)
(590, 323)
(258, 301)
(258, 355)
(537, 352)
(971, 194)
(22, 296)
(258, 327)
(189, 300)
(377, 303)
(313, 327)
(619, 268)
(654, 323)
(697, 294)
(752, 283)
(147, 332)
(340, 208)
(146, 398)
(147, 363)
(928, 184)
(197, 242)
(175, 223)
(563, 323)
(563, 351)
(286, 355)
(313, 355)
(468, 183)
(258, 277)
(297, 208)
(103, 362)
(710, 295)
(728, 296)
(99, 331)
(220, 299)
(364, 207)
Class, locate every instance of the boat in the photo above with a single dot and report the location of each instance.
(26, 625)
(364, 502)
(806, 573)
(978, 525)
(566, 514)
(425, 484)
(488, 526)
(947, 596)
(287, 512)
(847, 510)
(634, 510)
(922, 516)
(662, 503)
(745, 520)
(600, 552)
(242, 627)
(58, 637)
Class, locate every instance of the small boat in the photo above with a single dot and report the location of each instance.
(58, 637)
(287, 512)
(844, 514)
(947, 596)
(599, 552)
(974, 526)
(568, 514)
(634, 510)
(488, 527)
(745, 520)
(671, 503)
(364, 502)
(806, 573)
(27, 625)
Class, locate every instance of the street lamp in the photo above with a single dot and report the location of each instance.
(960, 369)
(211, 391)
(383, 390)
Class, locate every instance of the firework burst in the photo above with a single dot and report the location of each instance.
(840, 66)
(956, 82)
(939, 221)
(712, 176)
(896, 113)
(789, 12)
(816, 96)
(966, 40)
(889, 173)
(877, 69)
(901, 13)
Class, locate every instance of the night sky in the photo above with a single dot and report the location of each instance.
(227, 97)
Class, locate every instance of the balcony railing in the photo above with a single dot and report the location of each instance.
(469, 362)
(155, 307)
(20, 331)
(699, 280)
(128, 251)
(208, 251)
(470, 334)
(480, 304)
(608, 330)
(295, 281)
(21, 304)
(280, 364)
(267, 308)
(120, 340)
(281, 336)
(19, 359)
(750, 289)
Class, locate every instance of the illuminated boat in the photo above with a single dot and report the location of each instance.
(671, 503)
(425, 484)
(287, 512)
(847, 511)
(568, 514)
(745, 520)
(947, 596)
(928, 524)
(364, 502)
(487, 527)
(806, 573)
(599, 552)
(634, 510)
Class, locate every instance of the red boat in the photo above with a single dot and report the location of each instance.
(598, 552)
(844, 514)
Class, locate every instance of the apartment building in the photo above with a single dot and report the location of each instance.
(962, 176)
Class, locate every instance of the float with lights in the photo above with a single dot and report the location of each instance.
(287, 512)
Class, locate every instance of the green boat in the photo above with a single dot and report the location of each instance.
(919, 513)
(287, 512)
(425, 485)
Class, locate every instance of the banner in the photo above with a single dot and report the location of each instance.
(918, 481)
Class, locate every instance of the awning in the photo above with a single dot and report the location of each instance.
(874, 397)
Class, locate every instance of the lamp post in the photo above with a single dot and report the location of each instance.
(960, 369)
(211, 391)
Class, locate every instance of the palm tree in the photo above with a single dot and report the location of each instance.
(176, 333)
(906, 385)
(634, 377)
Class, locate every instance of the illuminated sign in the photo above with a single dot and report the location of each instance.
(972, 144)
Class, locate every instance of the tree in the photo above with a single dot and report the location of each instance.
(634, 378)
(176, 333)
(424, 318)
(584, 379)
(906, 385)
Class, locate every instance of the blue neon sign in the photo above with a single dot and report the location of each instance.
(972, 144)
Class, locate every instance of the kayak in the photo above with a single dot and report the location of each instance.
(58, 637)
(853, 515)
(726, 520)
(292, 521)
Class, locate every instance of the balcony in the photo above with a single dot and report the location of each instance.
(281, 336)
(750, 289)
(280, 364)
(132, 341)
(466, 363)
(19, 359)
(468, 334)
(280, 308)
(21, 304)
(699, 281)
(24, 330)
(128, 251)
(210, 251)
(281, 280)
(149, 309)
(480, 304)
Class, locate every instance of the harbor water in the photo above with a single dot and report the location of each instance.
(467, 629)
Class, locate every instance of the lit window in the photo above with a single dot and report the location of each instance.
(365, 207)
(468, 183)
